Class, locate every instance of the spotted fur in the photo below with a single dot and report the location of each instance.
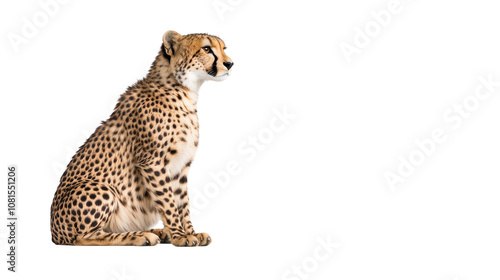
(132, 172)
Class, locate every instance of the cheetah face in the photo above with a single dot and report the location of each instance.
(196, 58)
(213, 60)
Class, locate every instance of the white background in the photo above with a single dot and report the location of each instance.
(320, 176)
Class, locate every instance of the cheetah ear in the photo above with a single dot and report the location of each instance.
(170, 40)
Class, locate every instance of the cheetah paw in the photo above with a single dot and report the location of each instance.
(183, 241)
(162, 234)
(148, 239)
(204, 238)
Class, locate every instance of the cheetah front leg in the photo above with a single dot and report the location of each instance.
(203, 237)
(179, 186)
(160, 184)
(182, 199)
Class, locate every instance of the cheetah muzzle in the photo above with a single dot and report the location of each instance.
(132, 171)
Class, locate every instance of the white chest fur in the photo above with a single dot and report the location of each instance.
(185, 152)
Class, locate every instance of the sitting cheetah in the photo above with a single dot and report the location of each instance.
(133, 169)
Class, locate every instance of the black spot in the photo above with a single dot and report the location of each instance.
(159, 202)
(183, 180)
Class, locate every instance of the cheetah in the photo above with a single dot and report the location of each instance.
(132, 171)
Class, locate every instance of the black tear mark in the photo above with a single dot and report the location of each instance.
(213, 71)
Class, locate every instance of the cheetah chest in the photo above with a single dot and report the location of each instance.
(183, 149)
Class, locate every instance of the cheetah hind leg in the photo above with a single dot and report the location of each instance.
(102, 238)
(162, 234)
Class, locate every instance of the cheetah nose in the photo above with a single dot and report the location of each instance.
(228, 64)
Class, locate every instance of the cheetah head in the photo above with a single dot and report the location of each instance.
(196, 58)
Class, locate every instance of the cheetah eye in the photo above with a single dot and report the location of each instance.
(206, 49)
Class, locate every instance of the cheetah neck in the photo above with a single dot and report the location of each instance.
(162, 74)
(192, 83)
(159, 70)
(191, 96)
